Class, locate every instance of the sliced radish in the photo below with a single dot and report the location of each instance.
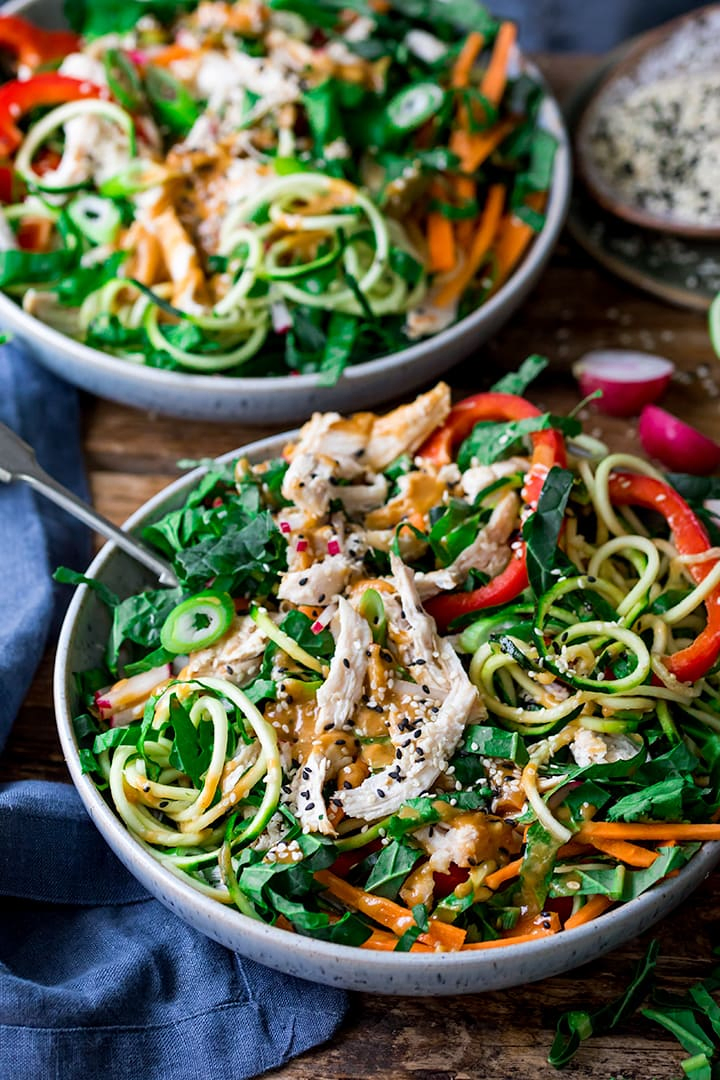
(130, 692)
(281, 317)
(677, 445)
(628, 380)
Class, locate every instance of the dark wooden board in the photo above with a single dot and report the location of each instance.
(131, 455)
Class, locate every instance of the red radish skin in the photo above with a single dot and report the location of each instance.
(628, 380)
(680, 447)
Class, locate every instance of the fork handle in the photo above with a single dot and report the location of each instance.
(47, 486)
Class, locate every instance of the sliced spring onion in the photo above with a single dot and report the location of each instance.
(285, 642)
(123, 79)
(98, 219)
(39, 132)
(411, 107)
(197, 622)
(372, 609)
(173, 104)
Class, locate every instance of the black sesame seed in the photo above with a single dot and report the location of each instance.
(425, 689)
(347, 785)
(380, 793)
(346, 662)
(310, 806)
(303, 581)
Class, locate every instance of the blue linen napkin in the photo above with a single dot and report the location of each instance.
(98, 980)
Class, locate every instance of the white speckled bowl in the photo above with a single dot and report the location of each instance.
(81, 645)
(290, 398)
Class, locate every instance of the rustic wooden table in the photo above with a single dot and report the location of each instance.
(500, 1036)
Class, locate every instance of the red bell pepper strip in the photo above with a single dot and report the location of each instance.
(548, 450)
(6, 185)
(690, 538)
(33, 45)
(21, 95)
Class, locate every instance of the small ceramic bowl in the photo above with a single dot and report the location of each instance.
(288, 399)
(684, 47)
(81, 646)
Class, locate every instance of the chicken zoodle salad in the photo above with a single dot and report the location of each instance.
(441, 679)
(266, 189)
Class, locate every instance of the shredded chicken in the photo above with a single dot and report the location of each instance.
(339, 695)
(489, 552)
(236, 656)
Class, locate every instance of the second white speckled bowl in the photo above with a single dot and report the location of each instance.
(82, 642)
(287, 399)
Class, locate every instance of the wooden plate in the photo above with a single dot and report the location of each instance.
(681, 270)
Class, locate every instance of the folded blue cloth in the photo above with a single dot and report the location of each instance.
(98, 980)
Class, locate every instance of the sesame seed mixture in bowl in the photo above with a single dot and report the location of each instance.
(649, 141)
(439, 682)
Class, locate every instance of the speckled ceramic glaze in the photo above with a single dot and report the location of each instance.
(81, 646)
(289, 399)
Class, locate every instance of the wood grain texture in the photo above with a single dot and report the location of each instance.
(131, 455)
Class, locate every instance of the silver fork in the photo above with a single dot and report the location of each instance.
(18, 462)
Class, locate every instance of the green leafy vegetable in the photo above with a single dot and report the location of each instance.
(496, 743)
(574, 1027)
(517, 382)
(192, 746)
(490, 441)
(249, 560)
(391, 868)
(542, 530)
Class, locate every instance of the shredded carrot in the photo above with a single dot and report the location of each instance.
(382, 941)
(625, 852)
(466, 58)
(505, 873)
(640, 830)
(513, 237)
(441, 243)
(466, 192)
(474, 147)
(34, 234)
(454, 288)
(544, 926)
(589, 911)
(391, 915)
(495, 78)
(170, 54)
(311, 612)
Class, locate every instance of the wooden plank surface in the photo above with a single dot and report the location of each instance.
(500, 1036)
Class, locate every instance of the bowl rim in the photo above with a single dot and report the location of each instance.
(132, 853)
(159, 379)
(628, 57)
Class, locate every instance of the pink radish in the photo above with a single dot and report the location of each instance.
(677, 445)
(628, 380)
